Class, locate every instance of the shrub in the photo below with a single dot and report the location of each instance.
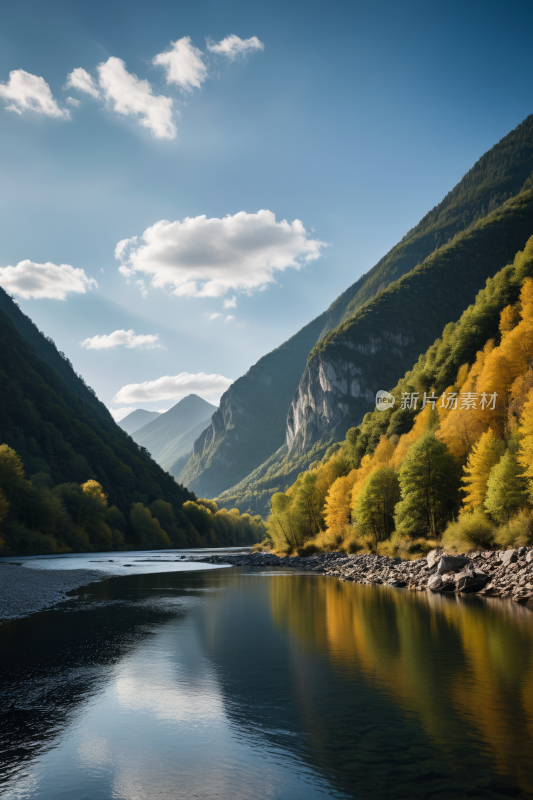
(518, 532)
(472, 531)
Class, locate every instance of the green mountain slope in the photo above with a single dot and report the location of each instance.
(173, 433)
(502, 172)
(137, 419)
(67, 432)
(379, 343)
(250, 425)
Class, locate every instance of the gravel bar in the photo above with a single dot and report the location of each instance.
(24, 591)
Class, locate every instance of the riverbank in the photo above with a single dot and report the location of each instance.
(25, 591)
(507, 574)
(502, 573)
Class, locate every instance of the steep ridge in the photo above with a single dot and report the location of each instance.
(373, 491)
(502, 172)
(378, 343)
(65, 432)
(47, 350)
(173, 433)
(375, 347)
(250, 426)
(134, 421)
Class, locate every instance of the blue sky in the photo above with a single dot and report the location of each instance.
(352, 118)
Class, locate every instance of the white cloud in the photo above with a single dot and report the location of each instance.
(73, 102)
(128, 338)
(119, 413)
(129, 95)
(203, 257)
(27, 92)
(183, 64)
(230, 302)
(80, 79)
(229, 318)
(44, 280)
(233, 46)
(216, 315)
(171, 387)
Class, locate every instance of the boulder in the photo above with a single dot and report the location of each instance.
(433, 557)
(439, 584)
(529, 557)
(509, 557)
(452, 564)
(471, 580)
(435, 583)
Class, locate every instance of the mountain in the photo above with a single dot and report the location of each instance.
(58, 426)
(173, 433)
(373, 349)
(406, 467)
(137, 419)
(260, 434)
(71, 478)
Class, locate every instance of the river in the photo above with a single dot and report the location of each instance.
(245, 684)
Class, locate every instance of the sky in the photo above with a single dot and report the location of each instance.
(186, 185)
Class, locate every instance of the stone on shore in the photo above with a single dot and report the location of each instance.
(471, 580)
(452, 564)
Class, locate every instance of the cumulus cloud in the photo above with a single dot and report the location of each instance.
(171, 387)
(229, 318)
(201, 257)
(44, 280)
(119, 413)
(184, 64)
(233, 46)
(216, 315)
(127, 338)
(27, 92)
(230, 302)
(129, 95)
(80, 79)
(73, 102)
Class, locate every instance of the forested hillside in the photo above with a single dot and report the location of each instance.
(374, 348)
(452, 458)
(248, 433)
(65, 436)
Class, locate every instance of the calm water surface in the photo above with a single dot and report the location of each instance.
(246, 684)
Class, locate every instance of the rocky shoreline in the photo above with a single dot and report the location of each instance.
(501, 573)
(507, 574)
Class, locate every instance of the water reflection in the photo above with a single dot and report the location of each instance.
(461, 667)
(245, 684)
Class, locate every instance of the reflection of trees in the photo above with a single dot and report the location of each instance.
(463, 669)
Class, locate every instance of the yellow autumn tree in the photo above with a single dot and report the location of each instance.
(427, 420)
(525, 431)
(337, 509)
(94, 490)
(484, 456)
(381, 457)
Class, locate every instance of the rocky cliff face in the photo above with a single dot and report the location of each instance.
(375, 347)
(336, 388)
(249, 425)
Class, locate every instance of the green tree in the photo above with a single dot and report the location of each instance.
(374, 511)
(506, 487)
(429, 485)
(148, 531)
